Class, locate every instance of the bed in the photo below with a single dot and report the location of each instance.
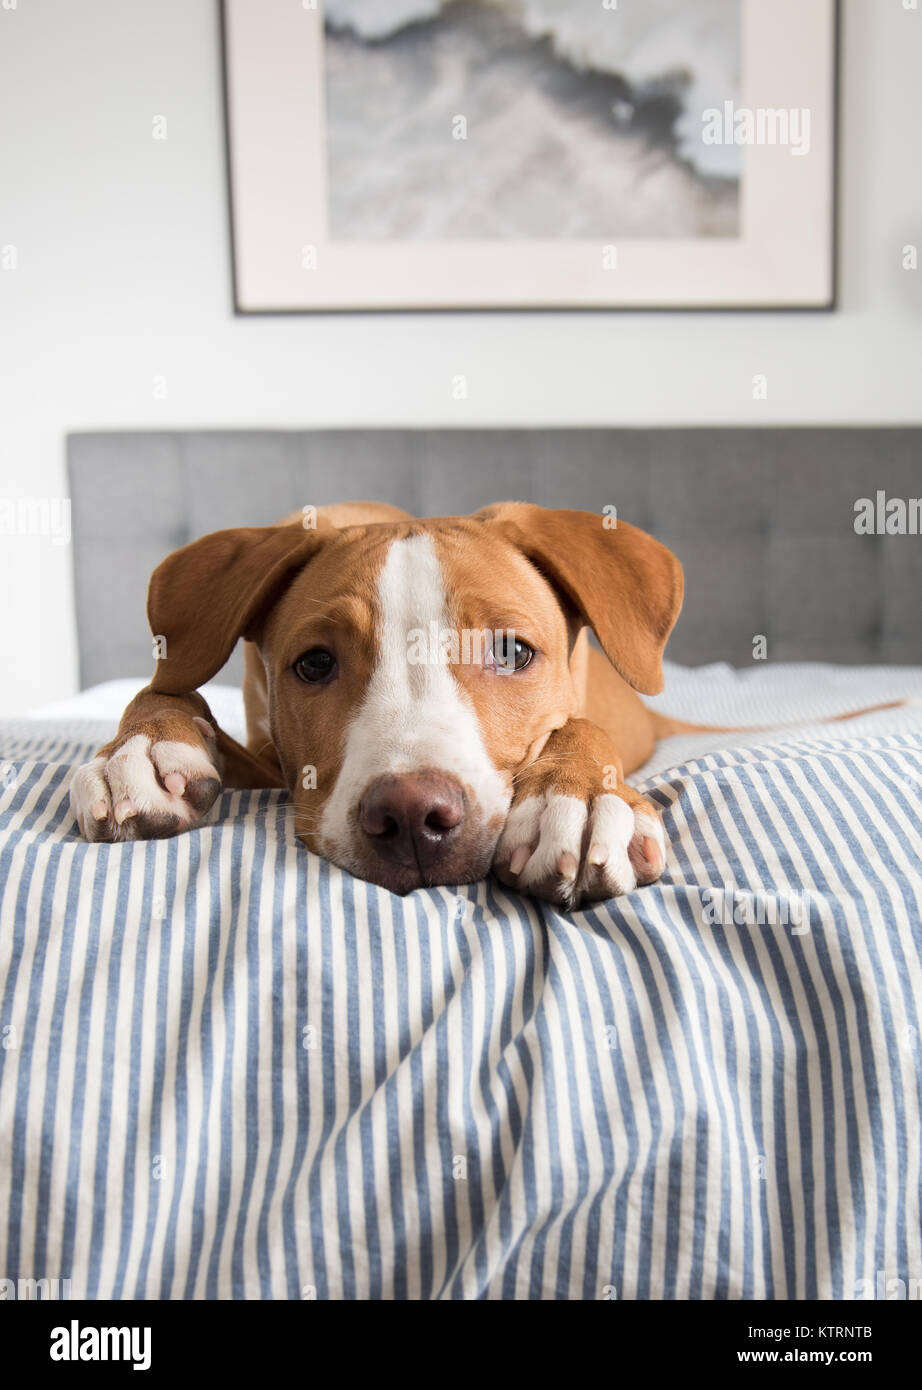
(229, 1070)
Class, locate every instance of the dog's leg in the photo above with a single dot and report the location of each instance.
(162, 772)
(576, 833)
(605, 699)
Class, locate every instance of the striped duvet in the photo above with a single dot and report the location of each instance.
(229, 1070)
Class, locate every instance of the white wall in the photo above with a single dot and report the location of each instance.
(124, 275)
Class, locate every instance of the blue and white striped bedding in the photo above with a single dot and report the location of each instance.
(229, 1070)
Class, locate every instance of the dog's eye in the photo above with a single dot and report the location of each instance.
(512, 654)
(316, 665)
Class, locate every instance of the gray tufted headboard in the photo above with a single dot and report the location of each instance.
(762, 519)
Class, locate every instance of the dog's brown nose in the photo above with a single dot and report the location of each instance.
(412, 818)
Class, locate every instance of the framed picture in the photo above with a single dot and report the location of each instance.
(531, 154)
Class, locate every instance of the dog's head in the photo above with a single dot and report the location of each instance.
(412, 668)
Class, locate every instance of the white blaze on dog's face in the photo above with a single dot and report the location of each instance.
(401, 763)
(414, 719)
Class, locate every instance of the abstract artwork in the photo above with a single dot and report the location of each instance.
(531, 153)
(567, 120)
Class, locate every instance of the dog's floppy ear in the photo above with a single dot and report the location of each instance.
(204, 597)
(622, 582)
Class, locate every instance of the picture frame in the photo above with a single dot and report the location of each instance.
(288, 259)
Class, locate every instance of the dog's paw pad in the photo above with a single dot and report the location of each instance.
(647, 848)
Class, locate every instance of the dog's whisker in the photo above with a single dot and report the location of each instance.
(541, 762)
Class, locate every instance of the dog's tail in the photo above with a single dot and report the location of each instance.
(666, 727)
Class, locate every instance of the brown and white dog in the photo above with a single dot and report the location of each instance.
(412, 771)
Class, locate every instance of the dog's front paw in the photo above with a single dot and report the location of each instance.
(569, 839)
(567, 851)
(145, 787)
